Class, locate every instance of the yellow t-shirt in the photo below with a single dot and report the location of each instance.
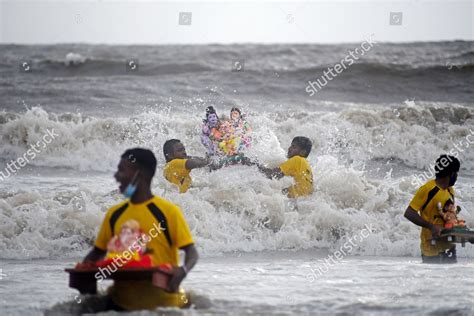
(426, 202)
(298, 168)
(175, 172)
(168, 231)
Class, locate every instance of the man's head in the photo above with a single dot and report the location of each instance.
(174, 149)
(137, 165)
(447, 167)
(300, 146)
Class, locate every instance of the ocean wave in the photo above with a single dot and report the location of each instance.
(70, 60)
(100, 67)
(235, 210)
(412, 133)
(391, 71)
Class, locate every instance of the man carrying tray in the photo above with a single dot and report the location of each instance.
(135, 172)
(423, 210)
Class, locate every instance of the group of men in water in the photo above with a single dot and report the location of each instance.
(225, 146)
(136, 170)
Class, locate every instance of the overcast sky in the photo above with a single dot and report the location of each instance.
(157, 22)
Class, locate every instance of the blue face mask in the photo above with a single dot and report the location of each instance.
(131, 188)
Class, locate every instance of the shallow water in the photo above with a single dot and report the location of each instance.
(270, 283)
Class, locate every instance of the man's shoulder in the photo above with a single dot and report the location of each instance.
(165, 204)
(177, 162)
(429, 185)
(300, 159)
(117, 207)
(293, 161)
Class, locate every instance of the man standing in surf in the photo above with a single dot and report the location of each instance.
(297, 166)
(423, 210)
(135, 172)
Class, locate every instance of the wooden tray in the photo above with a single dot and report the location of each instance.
(455, 235)
(85, 280)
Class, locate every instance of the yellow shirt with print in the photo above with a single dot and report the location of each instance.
(426, 202)
(298, 168)
(173, 234)
(175, 172)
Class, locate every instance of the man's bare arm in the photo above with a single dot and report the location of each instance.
(416, 219)
(191, 257)
(196, 162)
(179, 273)
(274, 173)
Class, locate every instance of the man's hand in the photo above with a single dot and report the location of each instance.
(178, 273)
(435, 231)
(94, 255)
(274, 173)
(247, 162)
(196, 162)
(177, 277)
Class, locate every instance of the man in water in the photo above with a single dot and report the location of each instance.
(179, 164)
(135, 172)
(423, 210)
(296, 166)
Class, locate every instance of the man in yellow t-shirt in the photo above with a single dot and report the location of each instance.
(297, 167)
(163, 224)
(423, 210)
(179, 164)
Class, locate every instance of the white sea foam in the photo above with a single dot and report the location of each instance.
(233, 209)
(74, 59)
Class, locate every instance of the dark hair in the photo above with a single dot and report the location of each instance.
(210, 110)
(304, 143)
(448, 203)
(143, 158)
(168, 148)
(443, 170)
(236, 110)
